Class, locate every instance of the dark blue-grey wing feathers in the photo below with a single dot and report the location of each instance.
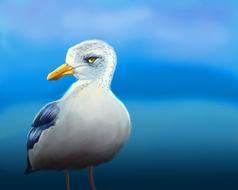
(46, 115)
(45, 119)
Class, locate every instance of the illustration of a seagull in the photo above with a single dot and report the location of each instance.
(88, 125)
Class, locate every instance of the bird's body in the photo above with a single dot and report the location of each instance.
(88, 125)
(87, 131)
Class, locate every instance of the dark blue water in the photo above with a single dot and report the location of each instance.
(174, 145)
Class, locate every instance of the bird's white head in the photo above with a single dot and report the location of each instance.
(92, 60)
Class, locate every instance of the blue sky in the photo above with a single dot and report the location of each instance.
(165, 49)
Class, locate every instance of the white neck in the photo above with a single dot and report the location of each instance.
(76, 88)
(80, 85)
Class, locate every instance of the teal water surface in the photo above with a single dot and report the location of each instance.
(177, 144)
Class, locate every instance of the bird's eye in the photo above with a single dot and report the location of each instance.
(91, 59)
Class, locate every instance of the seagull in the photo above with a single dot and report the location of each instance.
(88, 125)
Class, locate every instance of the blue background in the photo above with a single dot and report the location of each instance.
(177, 73)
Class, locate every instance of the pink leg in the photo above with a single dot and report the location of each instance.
(91, 178)
(66, 173)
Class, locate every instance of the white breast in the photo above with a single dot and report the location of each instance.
(91, 128)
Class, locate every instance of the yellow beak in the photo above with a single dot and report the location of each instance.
(60, 71)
